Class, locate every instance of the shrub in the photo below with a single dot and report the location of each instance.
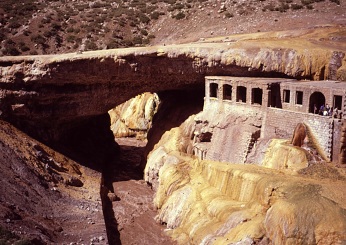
(11, 50)
(38, 39)
(89, 45)
(145, 41)
(228, 15)
(150, 9)
(306, 2)
(55, 26)
(144, 32)
(283, 7)
(137, 40)
(154, 15)
(270, 7)
(73, 21)
(170, 1)
(295, 6)
(335, 1)
(143, 18)
(47, 34)
(76, 30)
(112, 44)
(179, 16)
(6, 235)
(128, 43)
(70, 38)
(178, 6)
(45, 20)
(81, 7)
(23, 47)
(26, 33)
(14, 24)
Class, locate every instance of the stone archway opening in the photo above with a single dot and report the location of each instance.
(317, 99)
(124, 174)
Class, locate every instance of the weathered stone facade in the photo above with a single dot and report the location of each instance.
(282, 104)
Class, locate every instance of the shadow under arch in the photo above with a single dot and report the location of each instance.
(317, 99)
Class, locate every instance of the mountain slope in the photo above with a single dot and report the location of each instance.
(59, 26)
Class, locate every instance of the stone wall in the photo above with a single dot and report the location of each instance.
(234, 130)
(275, 102)
(282, 123)
(342, 148)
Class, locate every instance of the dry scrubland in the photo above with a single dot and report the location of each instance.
(57, 26)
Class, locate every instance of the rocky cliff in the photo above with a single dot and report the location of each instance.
(51, 92)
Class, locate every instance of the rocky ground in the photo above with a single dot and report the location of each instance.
(132, 199)
(207, 22)
(47, 198)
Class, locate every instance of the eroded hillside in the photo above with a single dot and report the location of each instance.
(46, 198)
(47, 27)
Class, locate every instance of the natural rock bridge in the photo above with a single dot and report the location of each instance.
(63, 101)
(47, 92)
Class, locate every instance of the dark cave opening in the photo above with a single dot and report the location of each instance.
(91, 143)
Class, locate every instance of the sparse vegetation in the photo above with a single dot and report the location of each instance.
(53, 25)
(7, 238)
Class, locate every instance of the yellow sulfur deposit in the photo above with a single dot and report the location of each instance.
(208, 202)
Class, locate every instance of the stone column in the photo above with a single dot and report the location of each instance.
(207, 89)
(265, 97)
(342, 156)
(248, 95)
(234, 92)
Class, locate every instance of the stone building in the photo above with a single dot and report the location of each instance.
(282, 104)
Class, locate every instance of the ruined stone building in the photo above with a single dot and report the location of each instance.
(280, 104)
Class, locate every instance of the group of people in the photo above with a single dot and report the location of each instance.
(326, 110)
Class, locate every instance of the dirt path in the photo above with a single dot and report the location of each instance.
(130, 213)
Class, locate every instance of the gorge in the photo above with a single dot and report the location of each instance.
(63, 100)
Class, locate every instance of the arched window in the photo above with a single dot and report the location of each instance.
(227, 92)
(213, 90)
(317, 99)
(241, 94)
(257, 96)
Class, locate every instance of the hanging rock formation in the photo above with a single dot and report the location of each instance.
(134, 117)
